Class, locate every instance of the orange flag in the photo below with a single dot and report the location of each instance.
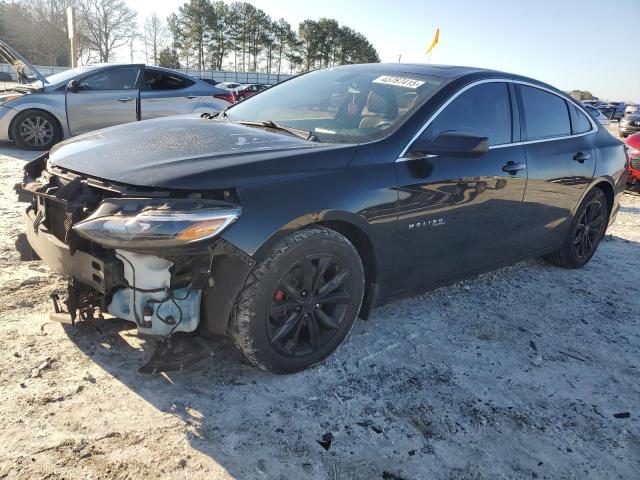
(435, 41)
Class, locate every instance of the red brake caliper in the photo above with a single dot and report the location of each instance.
(279, 295)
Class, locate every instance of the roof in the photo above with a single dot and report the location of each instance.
(446, 71)
(452, 72)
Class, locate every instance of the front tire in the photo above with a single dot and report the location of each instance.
(300, 303)
(587, 229)
(35, 130)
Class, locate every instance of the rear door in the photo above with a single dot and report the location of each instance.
(560, 160)
(105, 98)
(165, 94)
(456, 214)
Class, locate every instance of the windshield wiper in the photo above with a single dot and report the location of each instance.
(297, 132)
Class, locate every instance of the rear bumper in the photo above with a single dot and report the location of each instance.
(83, 267)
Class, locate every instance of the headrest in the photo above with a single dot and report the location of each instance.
(382, 101)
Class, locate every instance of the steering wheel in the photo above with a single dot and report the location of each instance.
(383, 124)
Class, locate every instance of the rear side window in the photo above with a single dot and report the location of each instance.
(154, 80)
(581, 123)
(483, 110)
(545, 114)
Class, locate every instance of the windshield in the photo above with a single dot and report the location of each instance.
(340, 105)
(67, 75)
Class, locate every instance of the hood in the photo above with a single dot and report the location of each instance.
(26, 71)
(191, 152)
(10, 94)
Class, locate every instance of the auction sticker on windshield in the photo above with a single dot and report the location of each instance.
(398, 81)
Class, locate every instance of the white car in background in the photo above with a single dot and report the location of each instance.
(597, 115)
(632, 110)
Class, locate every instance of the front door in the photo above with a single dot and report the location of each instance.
(457, 215)
(105, 98)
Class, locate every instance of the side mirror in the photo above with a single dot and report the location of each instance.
(73, 86)
(455, 144)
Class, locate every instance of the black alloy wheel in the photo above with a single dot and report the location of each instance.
(308, 305)
(300, 301)
(589, 230)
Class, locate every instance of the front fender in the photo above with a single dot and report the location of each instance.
(315, 218)
(53, 103)
(361, 200)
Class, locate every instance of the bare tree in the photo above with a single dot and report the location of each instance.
(155, 38)
(131, 43)
(108, 25)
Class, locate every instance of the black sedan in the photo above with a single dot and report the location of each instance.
(279, 224)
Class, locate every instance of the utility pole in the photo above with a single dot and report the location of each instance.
(71, 23)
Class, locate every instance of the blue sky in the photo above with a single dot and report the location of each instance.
(583, 44)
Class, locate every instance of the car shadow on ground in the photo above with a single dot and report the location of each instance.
(394, 384)
(10, 150)
(205, 397)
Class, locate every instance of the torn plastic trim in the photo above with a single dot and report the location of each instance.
(149, 299)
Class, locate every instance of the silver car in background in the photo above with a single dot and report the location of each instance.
(40, 111)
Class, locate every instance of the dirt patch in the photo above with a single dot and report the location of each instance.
(528, 372)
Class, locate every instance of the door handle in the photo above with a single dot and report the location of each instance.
(580, 157)
(513, 167)
(191, 97)
(126, 99)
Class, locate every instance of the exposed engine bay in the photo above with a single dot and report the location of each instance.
(144, 256)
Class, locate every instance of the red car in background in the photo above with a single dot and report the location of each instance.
(244, 91)
(633, 147)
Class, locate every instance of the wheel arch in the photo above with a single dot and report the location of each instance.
(63, 132)
(353, 227)
(609, 192)
(606, 185)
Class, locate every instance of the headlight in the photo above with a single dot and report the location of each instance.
(146, 223)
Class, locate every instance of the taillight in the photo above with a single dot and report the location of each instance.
(229, 97)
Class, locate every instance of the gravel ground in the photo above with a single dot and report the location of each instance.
(528, 372)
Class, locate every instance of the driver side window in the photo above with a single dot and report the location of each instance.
(483, 110)
(124, 78)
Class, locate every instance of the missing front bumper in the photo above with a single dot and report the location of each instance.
(92, 271)
(132, 286)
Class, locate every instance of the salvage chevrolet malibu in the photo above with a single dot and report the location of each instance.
(281, 220)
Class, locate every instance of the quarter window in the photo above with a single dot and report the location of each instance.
(545, 114)
(581, 123)
(112, 79)
(484, 110)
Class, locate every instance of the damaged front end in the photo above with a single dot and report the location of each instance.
(138, 254)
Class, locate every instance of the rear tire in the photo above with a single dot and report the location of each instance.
(587, 229)
(299, 303)
(35, 130)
